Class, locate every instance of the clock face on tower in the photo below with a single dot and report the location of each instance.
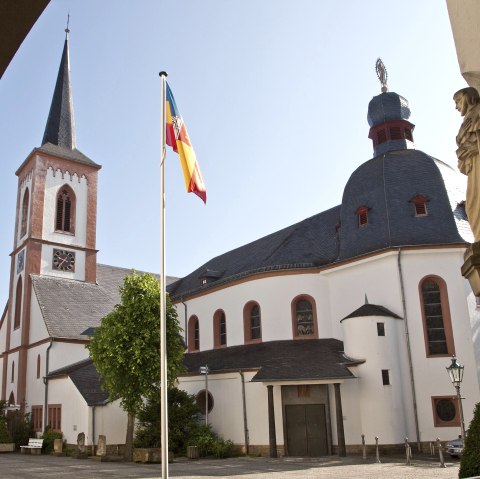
(63, 260)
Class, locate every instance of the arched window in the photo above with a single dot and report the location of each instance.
(437, 325)
(65, 210)
(38, 366)
(12, 379)
(24, 217)
(304, 318)
(252, 323)
(193, 334)
(219, 329)
(18, 304)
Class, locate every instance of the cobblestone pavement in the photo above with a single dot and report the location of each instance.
(19, 466)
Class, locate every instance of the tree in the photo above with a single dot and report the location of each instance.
(125, 347)
(470, 461)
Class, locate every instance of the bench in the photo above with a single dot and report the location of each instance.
(34, 447)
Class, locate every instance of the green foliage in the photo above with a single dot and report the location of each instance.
(125, 348)
(20, 427)
(48, 438)
(5, 437)
(470, 461)
(182, 421)
(210, 444)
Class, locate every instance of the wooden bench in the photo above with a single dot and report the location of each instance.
(34, 447)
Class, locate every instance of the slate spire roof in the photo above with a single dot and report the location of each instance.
(60, 128)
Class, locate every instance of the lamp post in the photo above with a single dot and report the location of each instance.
(455, 371)
(205, 370)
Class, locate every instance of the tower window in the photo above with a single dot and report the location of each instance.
(24, 220)
(381, 329)
(65, 211)
(362, 213)
(18, 304)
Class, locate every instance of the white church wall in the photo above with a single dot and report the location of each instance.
(353, 420)
(62, 354)
(53, 182)
(12, 381)
(111, 421)
(274, 294)
(38, 330)
(75, 414)
(35, 392)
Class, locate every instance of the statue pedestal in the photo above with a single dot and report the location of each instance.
(471, 267)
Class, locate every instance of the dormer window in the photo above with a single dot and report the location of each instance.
(420, 205)
(209, 276)
(362, 214)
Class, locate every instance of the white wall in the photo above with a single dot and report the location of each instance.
(63, 354)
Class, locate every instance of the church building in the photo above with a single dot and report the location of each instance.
(335, 327)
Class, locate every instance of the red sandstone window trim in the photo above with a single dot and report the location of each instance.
(252, 323)
(193, 339)
(219, 329)
(300, 315)
(65, 207)
(437, 421)
(24, 212)
(18, 304)
(445, 314)
(37, 418)
(55, 417)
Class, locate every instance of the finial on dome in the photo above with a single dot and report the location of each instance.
(382, 74)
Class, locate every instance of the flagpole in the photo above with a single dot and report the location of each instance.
(163, 315)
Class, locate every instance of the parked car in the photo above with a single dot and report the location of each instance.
(455, 447)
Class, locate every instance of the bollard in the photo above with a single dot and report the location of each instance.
(377, 453)
(440, 453)
(364, 448)
(432, 449)
(408, 451)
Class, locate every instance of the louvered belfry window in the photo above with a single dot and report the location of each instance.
(65, 209)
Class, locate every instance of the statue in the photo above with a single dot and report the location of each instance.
(467, 102)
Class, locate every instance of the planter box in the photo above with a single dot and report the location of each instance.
(149, 455)
(9, 447)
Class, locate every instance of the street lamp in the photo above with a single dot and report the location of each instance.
(455, 371)
(205, 370)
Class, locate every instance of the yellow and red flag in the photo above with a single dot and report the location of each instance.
(177, 137)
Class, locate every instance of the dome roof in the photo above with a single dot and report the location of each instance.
(387, 106)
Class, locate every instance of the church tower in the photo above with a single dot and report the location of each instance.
(55, 227)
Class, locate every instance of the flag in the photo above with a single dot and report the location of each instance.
(177, 137)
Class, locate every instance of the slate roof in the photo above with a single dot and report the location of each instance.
(60, 128)
(307, 244)
(86, 379)
(309, 359)
(70, 307)
(386, 107)
(371, 310)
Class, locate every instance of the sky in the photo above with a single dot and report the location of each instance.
(274, 94)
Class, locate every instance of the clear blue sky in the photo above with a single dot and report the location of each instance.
(274, 94)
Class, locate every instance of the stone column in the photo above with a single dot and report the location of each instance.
(272, 434)
(342, 452)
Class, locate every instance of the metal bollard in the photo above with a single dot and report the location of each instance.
(408, 451)
(364, 448)
(440, 453)
(376, 451)
(432, 449)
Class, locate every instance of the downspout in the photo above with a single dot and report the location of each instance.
(245, 423)
(45, 381)
(409, 352)
(93, 430)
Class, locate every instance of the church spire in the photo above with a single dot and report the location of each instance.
(60, 128)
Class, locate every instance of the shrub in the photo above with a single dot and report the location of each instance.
(48, 437)
(20, 427)
(5, 437)
(210, 444)
(470, 461)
